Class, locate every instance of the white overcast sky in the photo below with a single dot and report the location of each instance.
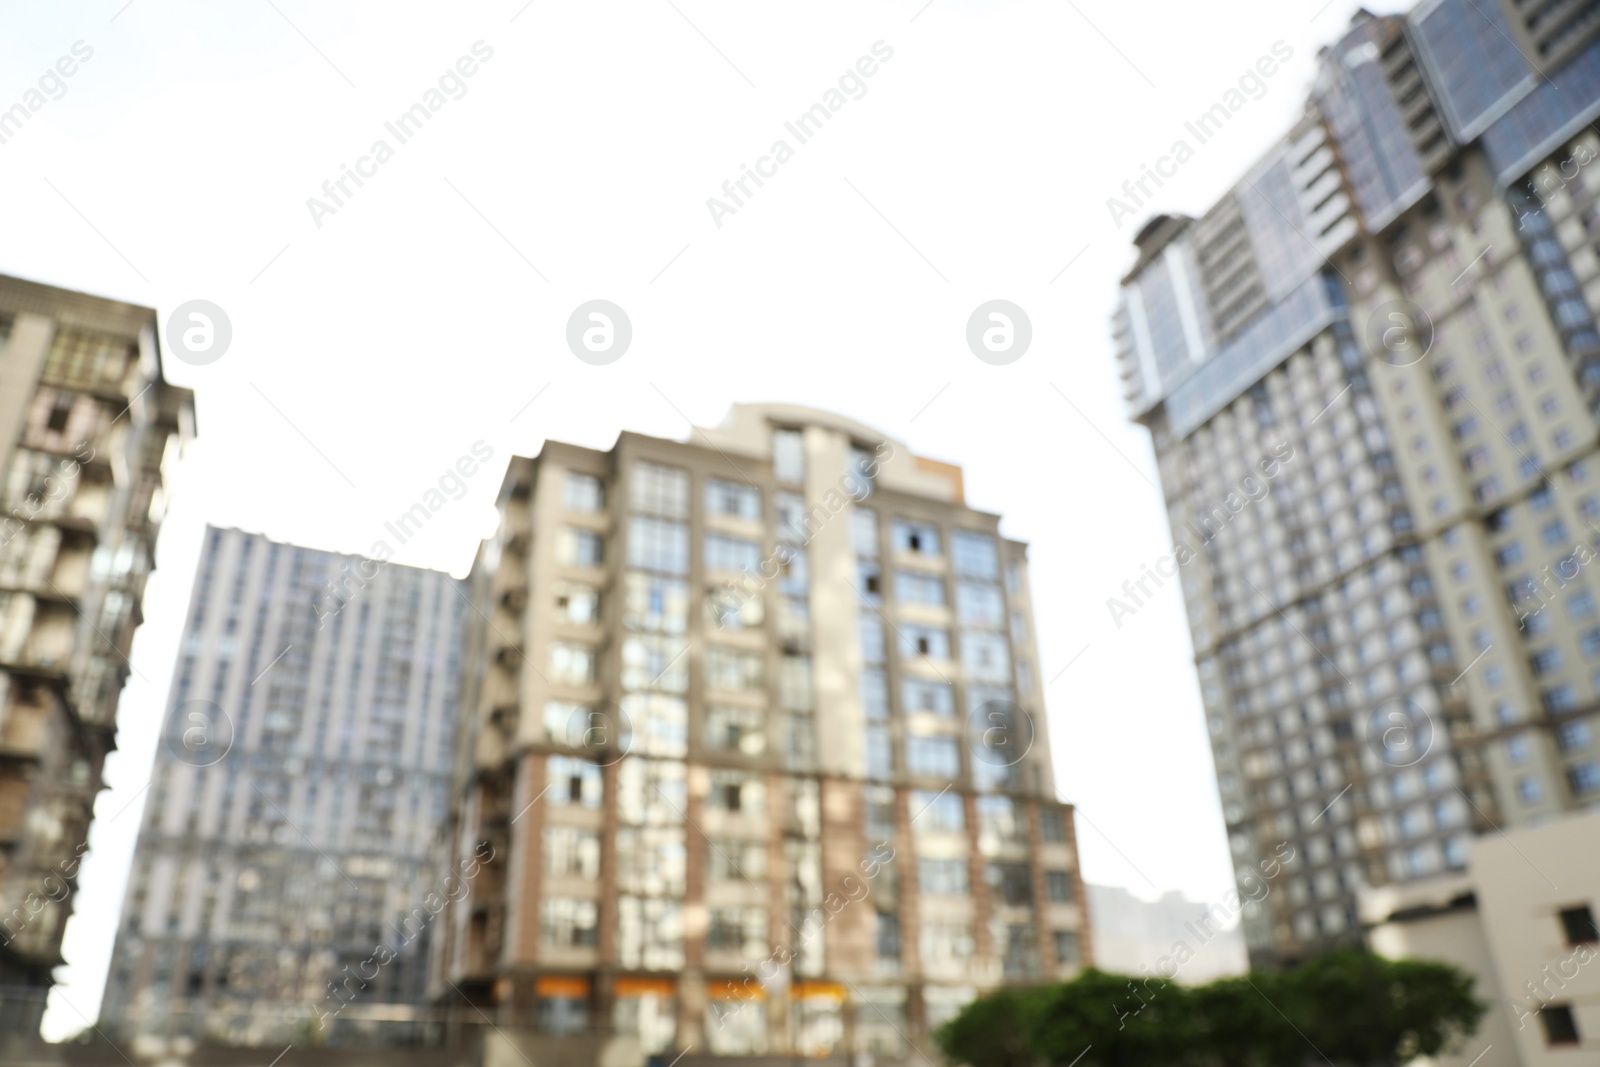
(428, 311)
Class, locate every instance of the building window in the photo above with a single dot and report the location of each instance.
(655, 604)
(864, 531)
(1584, 778)
(658, 545)
(917, 538)
(563, 1015)
(986, 657)
(572, 781)
(946, 944)
(980, 604)
(1068, 953)
(880, 812)
(788, 456)
(739, 930)
(1052, 827)
(566, 923)
(914, 587)
(937, 757)
(875, 695)
(1058, 886)
(728, 608)
(888, 941)
(927, 694)
(1020, 949)
(1573, 735)
(998, 823)
(736, 1024)
(880, 752)
(733, 498)
(580, 548)
(731, 729)
(1579, 926)
(577, 603)
(571, 853)
(1545, 661)
(736, 792)
(725, 553)
(585, 493)
(1012, 884)
(932, 641)
(734, 671)
(649, 933)
(730, 858)
(571, 663)
(973, 555)
(1560, 1028)
(937, 813)
(658, 490)
(870, 630)
(942, 877)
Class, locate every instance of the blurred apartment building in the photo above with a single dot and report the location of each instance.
(754, 729)
(87, 425)
(280, 888)
(1132, 935)
(1371, 373)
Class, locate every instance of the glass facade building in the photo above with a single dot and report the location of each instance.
(290, 865)
(1380, 473)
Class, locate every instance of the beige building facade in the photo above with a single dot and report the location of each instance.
(88, 430)
(754, 731)
(1521, 919)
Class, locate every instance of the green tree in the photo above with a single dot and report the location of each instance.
(1236, 1024)
(1121, 1021)
(989, 1032)
(1360, 1008)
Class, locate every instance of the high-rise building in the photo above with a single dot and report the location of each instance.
(87, 428)
(1371, 374)
(754, 740)
(290, 860)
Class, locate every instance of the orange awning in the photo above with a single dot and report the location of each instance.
(639, 985)
(561, 985)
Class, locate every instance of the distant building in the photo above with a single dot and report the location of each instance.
(87, 429)
(1522, 920)
(1134, 936)
(1371, 375)
(755, 729)
(286, 872)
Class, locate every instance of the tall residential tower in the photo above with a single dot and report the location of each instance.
(88, 427)
(755, 734)
(283, 881)
(1371, 374)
